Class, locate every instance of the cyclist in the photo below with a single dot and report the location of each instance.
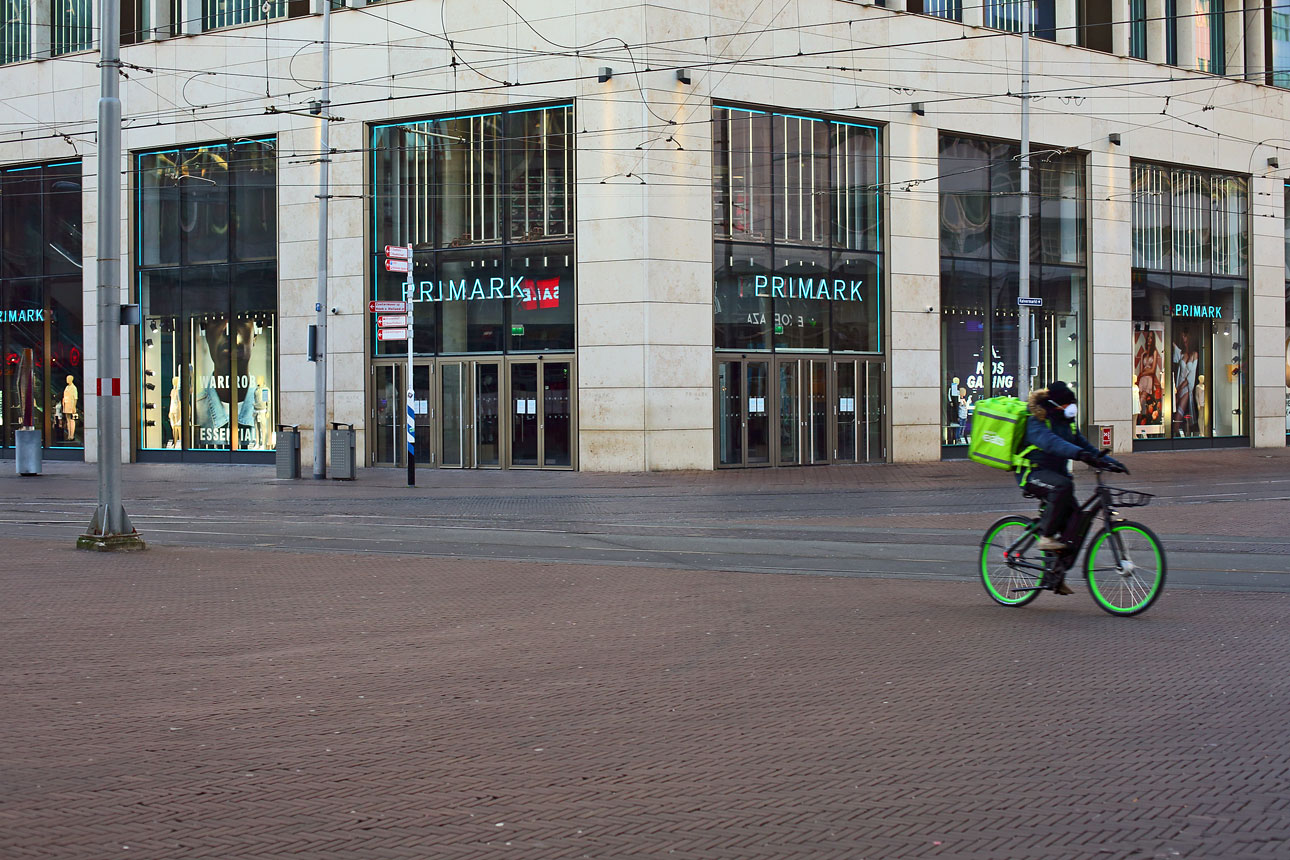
(1051, 441)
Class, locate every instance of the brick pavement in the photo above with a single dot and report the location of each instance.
(197, 703)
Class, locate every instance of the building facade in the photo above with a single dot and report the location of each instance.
(652, 235)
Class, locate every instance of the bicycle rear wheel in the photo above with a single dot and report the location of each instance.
(1126, 568)
(1008, 545)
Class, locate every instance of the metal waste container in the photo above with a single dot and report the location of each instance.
(28, 454)
(287, 451)
(341, 441)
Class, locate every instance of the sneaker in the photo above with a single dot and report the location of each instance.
(1050, 544)
(1063, 588)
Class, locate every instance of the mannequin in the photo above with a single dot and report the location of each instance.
(1202, 407)
(71, 397)
(175, 414)
(263, 400)
(1137, 404)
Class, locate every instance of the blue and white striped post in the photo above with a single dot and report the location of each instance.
(411, 399)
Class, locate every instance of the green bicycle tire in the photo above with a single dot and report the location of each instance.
(997, 576)
(1115, 591)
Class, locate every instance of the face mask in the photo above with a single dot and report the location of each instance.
(1070, 411)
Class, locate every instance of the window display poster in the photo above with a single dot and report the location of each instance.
(1187, 370)
(1148, 381)
(232, 375)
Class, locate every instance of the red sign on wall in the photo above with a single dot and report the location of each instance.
(541, 294)
(1106, 436)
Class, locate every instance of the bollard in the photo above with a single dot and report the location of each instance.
(28, 454)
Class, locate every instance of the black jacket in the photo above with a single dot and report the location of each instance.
(1056, 442)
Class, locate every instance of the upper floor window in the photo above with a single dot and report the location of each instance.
(15, 31)
(797, 180)
(71, 26)
(1278, 28)
(1190, 221)
(1138, 29)
(951, 9)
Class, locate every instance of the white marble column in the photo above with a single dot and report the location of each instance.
(1067, 19)
(1109, 327)
(974, 12)
(915, 290)
(1256, 59)
(191, 24)
(1234, 38)
(1187, 33)
(1121, 27)
(1157, 32)
(41, 13)
(1267, 309)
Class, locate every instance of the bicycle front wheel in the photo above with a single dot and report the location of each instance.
(1010, 569)
(1126, 568)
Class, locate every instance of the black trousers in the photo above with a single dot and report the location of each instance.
(1058, 491)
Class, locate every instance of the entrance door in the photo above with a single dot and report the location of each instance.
(389, 414)
(468, 414)
(541, 413)
(744, 404)
(858, 398)
(815, 410)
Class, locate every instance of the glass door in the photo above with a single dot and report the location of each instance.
(541, 413)
(486, 399)
(815, 391)
(524, 413)
(790, 422)
(455, 414)
(557, 413)
(388, 441)
(744, 407)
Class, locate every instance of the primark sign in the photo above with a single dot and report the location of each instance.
(543, 291)
(837, 289)
(30, 315)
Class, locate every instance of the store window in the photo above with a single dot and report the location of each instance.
(796, 227)
(980, 207)
(1190, 305)
(486, 201)
(41, 301)
(206, 275)
(797, 297)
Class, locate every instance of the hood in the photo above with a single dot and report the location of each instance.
(1035, 403)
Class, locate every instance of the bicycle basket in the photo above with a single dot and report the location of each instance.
(1129, 498)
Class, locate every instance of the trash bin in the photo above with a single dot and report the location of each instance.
(287, 451)
(28, 451)
(341, 441)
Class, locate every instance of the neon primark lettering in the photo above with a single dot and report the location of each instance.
(779, 287)
(1198, 311)
(32, 315)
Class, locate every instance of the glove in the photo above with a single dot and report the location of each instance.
(1111, 464)
(1086, 457)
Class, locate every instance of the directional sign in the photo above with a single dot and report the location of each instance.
(392, 321)
(398, 252)
(1030, 301)
(388, 307)
(398, 265)
(391, 334)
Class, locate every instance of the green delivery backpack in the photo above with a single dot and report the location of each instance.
(998, 432)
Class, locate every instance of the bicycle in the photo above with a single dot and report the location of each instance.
(1125, 564)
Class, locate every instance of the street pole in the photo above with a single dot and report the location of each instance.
(412, 389)
(320, 307)
(110, 529)
(1023, 279)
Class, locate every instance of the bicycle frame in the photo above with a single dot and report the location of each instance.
(1097, 503)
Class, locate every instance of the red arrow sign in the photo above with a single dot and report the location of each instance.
(400, 321)
(388, 307)
(391, 334)
(397, 252)
(398, 265)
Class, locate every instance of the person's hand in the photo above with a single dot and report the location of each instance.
(1111, 464)
(1086, 457)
